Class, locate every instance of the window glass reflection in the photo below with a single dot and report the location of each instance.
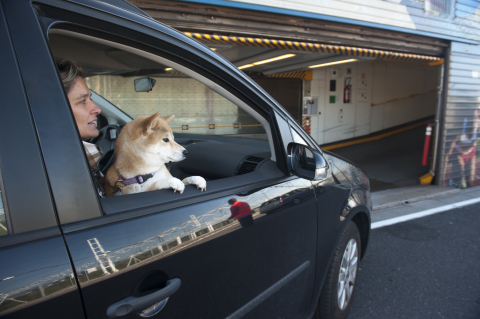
(150, 238)
(32, 273)
(3, 222)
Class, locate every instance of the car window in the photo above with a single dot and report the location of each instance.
(225, 138)
(116, 73)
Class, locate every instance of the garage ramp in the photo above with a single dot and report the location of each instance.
(391, 162)
(394, 166)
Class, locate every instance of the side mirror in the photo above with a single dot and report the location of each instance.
(305, 162)
(144, 84)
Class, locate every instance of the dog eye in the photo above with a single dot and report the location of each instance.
(166, 140)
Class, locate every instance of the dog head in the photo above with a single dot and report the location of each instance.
(150, 138)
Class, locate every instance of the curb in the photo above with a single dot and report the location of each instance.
(414, 199)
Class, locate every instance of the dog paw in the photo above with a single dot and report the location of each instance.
(196, 180)
(176, 184)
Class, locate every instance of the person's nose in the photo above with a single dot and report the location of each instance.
(95, 109)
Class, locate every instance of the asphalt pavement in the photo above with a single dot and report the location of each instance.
(424, 268)
(424, 251)
(401, 204)
(423, 256)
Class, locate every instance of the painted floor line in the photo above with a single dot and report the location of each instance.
(424, 213)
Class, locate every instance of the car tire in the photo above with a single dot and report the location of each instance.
(337, 291)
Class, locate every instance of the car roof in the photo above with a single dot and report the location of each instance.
(123, 4)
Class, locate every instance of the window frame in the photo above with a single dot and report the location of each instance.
(238, 86)
(22, 167)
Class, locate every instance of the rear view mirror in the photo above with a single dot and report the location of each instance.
(144, 84)
(305, 162)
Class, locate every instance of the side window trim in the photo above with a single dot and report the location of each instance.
(285, 132)
(307, 138)
(23, 170)
(4, 209)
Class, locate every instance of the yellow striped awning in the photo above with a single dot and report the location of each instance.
(303, 75)
(313, 47)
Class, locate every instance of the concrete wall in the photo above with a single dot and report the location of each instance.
(395, 82)
(192, 103)
(287, 92)
(383, 94)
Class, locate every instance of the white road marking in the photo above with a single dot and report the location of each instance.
(424, 213)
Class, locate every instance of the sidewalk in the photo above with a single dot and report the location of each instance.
(409, 200)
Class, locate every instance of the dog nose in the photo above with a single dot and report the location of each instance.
(185, 152)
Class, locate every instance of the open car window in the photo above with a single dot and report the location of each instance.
(225, 138)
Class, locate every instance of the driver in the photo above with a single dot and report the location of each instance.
(85, 113)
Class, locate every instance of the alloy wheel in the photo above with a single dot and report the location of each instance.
(347, 274)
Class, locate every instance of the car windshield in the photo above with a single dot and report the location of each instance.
(197, 108)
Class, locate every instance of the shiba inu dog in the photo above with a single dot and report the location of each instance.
(142, 149)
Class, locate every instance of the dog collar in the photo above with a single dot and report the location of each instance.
(139, 179)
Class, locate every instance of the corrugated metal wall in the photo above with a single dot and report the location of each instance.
(459, 156)
(459, 18)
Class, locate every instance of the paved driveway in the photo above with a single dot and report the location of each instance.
(423, 268)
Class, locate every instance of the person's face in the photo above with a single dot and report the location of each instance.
(84, 110)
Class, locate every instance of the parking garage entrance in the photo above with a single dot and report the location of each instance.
(343, 96)
(342, 82)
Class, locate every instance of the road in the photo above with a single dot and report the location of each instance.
(424, 268)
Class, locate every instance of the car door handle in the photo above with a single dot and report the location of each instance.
(132, 303)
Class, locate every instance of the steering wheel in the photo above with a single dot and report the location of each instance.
(107, 136)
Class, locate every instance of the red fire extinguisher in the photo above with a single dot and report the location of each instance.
(347, 90)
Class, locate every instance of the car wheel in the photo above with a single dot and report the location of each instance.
(337, 291)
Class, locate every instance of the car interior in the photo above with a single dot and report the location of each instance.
(224, 137)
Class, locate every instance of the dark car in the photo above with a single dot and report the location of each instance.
(267, 206)
(67, 253)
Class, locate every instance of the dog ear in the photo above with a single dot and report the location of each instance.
(168, 118)
(149, 122)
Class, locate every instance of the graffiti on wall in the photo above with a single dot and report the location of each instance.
(461, 169)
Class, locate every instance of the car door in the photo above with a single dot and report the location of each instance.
(149, 248)
(36, 276)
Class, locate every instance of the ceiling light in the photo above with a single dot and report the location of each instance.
(281, 57)
(332, 63)
(214, 49)
(245, 66)
(168, 69)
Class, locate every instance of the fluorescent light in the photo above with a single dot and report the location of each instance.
(332, 63)
(281, 57)
(168, 69)
(245, 66)
(214, 49)
(285, 56)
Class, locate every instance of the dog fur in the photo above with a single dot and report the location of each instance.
(144, 146)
